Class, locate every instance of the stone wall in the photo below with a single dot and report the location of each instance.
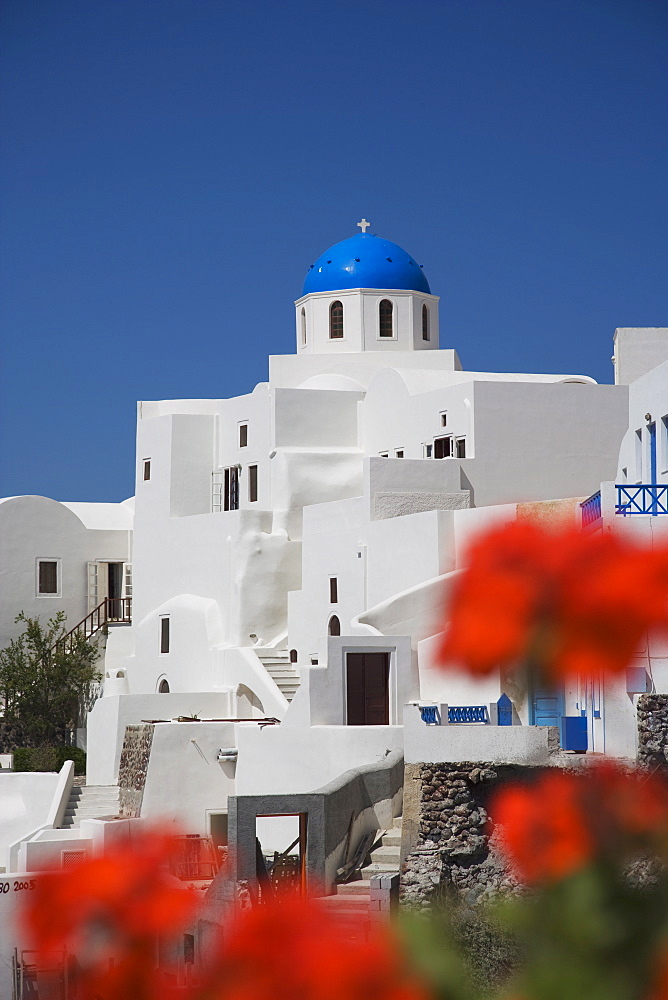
(653, 730)
(447, 846)
(133, 769)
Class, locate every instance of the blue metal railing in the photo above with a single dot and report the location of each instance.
(467, 713)
(642, 499)
(430, 714)
(591, 509)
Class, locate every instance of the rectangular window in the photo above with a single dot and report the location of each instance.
(444, 419)
(333, 590)
(231, 488)
(252, 483)
(399, 453)
(243, 435)
(147, 469)
(384, 454)
(428, 449)
(460, 447)
(164, 635)
(443, 447)
(47, 577)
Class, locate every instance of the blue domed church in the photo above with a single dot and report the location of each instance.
(366, 294)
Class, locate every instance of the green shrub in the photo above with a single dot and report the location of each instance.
(48, 758)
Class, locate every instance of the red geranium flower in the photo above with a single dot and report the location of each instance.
(293, 948)
(561, 601)
(545, 832)
(107, 913)
(564, 821)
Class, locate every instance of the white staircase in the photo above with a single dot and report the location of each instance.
(90, 802)
(277, 664)
(354, 897)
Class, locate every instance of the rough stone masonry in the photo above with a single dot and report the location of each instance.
(653, 730)
(453, 849)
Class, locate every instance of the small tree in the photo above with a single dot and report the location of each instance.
(46, 686)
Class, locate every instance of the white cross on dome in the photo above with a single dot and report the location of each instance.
(364, 225)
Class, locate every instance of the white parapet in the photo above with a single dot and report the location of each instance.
(429, 744)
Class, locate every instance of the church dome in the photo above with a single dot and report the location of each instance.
(364, 261)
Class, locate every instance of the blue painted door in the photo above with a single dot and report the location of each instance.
(547, 709)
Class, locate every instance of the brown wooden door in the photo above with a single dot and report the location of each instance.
(368, 689)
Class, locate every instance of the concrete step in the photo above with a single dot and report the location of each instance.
(281, 671)
(378, 869)
(90, 802)
(358, 887)
(345, 904)
(392, 839)
(385, 855)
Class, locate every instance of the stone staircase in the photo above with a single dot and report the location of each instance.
(353, 898)
(90, 802)
(277, 664)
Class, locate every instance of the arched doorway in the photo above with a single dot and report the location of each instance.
(163, 686)
(334, 626)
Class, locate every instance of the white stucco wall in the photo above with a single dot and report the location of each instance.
(277, 759)
(527, 745)
(110, 716)
(25, 801)
(361, 323)
(647, 395)
(637, 350)
(190, 750)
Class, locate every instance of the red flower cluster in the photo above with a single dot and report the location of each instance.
(544, 830)
(564, 821)
(110, 912)
(295, 949)
(561, 601)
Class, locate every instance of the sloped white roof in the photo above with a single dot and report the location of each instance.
(103, 516)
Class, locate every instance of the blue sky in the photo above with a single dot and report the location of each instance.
(169, 170)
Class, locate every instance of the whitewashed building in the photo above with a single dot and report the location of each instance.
(61, 557)
(293, 547)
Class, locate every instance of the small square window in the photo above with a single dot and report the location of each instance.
(384, 454)
(333, 590)
(164, 635)
(252, 483)
(47, 576)
(399, 453)
(243, 435)
(147, 469)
